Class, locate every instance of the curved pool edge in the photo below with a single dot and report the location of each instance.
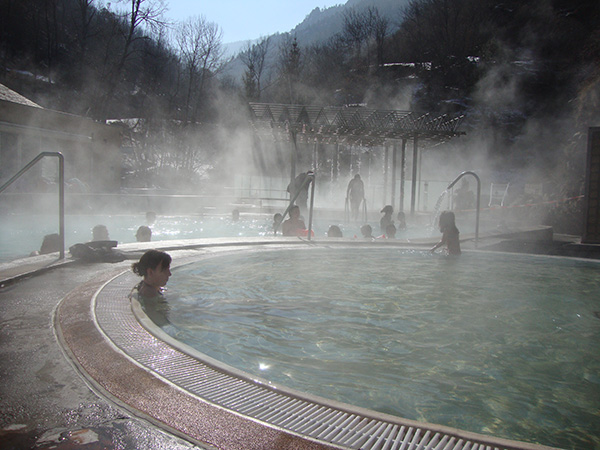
(116, 376)
(141, 388)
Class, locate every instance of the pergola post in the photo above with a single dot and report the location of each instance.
(402, 175)
(335, 162)
(414, 174)
(394, 156)
(293, 159)
(385, 172)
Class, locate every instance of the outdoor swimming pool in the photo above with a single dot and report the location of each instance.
(504, 345)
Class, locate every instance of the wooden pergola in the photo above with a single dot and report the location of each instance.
(354, 125)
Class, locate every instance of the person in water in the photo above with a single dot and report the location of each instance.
(334, 231)
(294, 226)
(155, 268)
(150, 218)
(386, 219)
(277, 219)
(50, 244)
(449, 234)
(143, 234)
(367, 231)
(390, 231)
(401, 220)
(100, 233)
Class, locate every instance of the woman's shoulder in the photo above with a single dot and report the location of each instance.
(148, 292)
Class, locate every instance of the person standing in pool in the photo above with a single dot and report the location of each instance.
(355, 193)
(155, 268)
(449, 234)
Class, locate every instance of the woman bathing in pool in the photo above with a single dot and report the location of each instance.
(154, 266)
(449, 234)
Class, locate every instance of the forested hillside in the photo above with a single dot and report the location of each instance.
(74, 56)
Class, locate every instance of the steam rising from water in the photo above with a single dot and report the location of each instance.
(506, 142)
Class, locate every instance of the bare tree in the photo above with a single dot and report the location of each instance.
(289, 68)
(380, 27)
(86, 12)
(254, 58)
(355, 30)
(140, 13)
(444, 35)
(201, 54)
(137, 15)
(442, 29)
(364, 29)
(326, 68)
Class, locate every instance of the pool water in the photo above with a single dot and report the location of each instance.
(23, 234)
(505, 345)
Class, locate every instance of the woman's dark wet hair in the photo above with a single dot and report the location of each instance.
(151, 260)
(447, 221)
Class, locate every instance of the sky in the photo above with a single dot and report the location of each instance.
(246, 19)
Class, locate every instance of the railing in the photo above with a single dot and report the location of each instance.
(468, 172)
(61, 191)
(348, 212)
(310, 178)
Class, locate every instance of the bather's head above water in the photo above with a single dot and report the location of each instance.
(100, 233)
(143, 234)
(155, 268)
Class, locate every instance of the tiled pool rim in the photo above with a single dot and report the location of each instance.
(130, 360)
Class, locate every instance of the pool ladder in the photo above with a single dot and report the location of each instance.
(451, 185)
(310, 178)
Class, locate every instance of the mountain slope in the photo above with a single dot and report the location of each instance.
(322, 24)
(318, 27)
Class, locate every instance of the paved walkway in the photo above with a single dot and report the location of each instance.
(44, 401)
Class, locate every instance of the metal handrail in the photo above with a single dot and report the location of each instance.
(61, 191)
(468, 172)
(347, 211)
(310, 178)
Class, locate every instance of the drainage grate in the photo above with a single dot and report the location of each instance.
(316, 420)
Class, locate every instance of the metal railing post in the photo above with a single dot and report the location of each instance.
(310, 178)
(312, 202)
(61, 191)
(468, 172)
